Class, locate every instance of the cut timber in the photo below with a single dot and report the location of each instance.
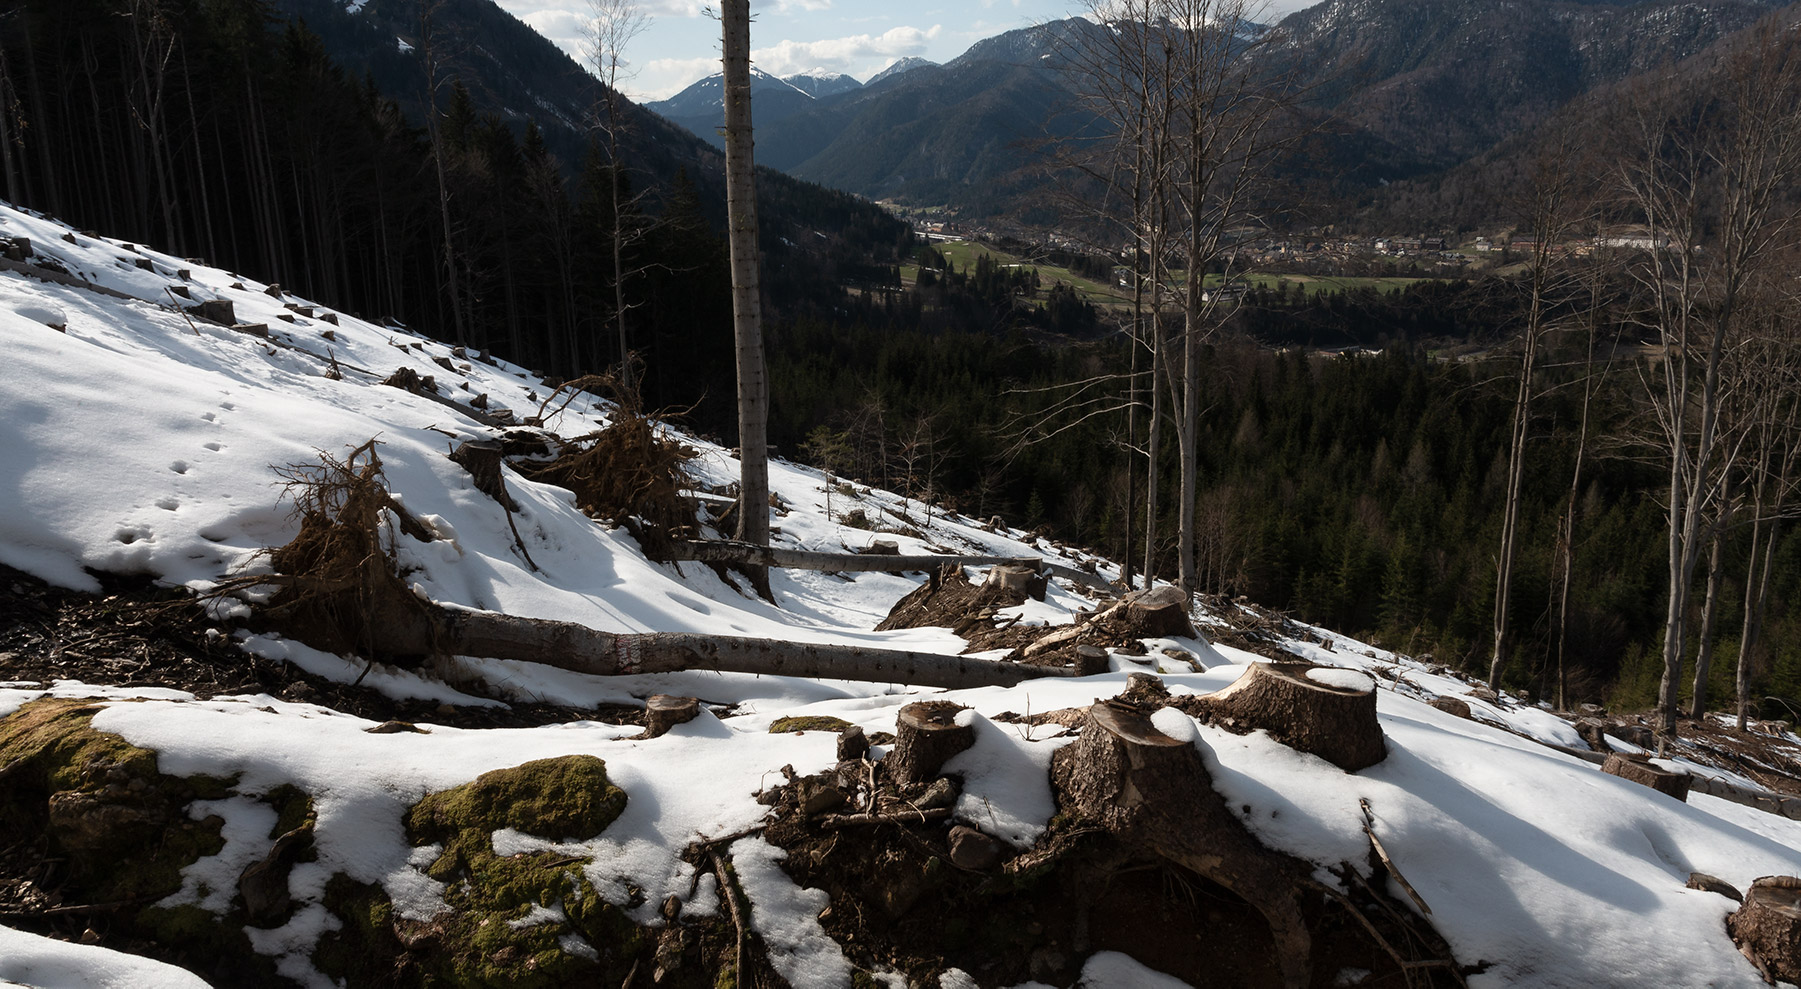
(482, 459)
(1316, 709)
(730, 551)
(926, 735)
(664, 711)
(1641, 771)
(1153, 792)
(1768, 927)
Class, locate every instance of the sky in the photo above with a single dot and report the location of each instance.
(679, 40)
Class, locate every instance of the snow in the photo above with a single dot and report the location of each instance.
(141, 442)
(29, 960)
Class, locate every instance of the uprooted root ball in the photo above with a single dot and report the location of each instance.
(626, 471)
(339, 577)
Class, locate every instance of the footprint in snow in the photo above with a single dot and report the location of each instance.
(168, 504)
(129, 534)
(179, 466)
(210, 416)
(215, 447)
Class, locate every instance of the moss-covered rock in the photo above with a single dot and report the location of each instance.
(568, 797)
(122, 825)
(816, 722)
(525, 920)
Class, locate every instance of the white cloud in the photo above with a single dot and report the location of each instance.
(665, 77)
(854, 53)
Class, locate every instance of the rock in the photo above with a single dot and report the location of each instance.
(819, 799)
(1452, 705)
(1637, 735)
(264, 884)
(942, 793)
(973, 850)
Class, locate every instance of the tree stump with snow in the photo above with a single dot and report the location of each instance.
(1160, 611)
(1768, 927)
(664, 711)
(482, 459)
(1641, 771)
(1017, 579)
(926, 735)
(1324, 710)
(1153, 792)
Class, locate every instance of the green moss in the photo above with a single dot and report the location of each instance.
(568, 797)
(363, 948)
(293, 807)
(810, 723)
(122, 825)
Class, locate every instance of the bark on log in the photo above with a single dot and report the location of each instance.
(1334, 721)
(482, 459)
(1768, 927)
(565, 645)
(926, 735)
(730, 551)
(1641, 771)
(1153, 792)
(664, 711)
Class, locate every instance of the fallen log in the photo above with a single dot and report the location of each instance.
(747, 554)
(438, 630)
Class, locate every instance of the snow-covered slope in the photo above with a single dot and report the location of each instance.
(138, 440)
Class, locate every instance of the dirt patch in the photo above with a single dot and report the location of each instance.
(136, 634)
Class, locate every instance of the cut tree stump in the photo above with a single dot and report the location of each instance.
(664, 711)
(482, 459)
(926, 735)
(1641, 771)
(1153, 792)
(1768, 927)
(1160, 611)
(1317, 709)
(1018, 578)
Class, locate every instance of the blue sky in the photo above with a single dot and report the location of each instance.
(680, 41)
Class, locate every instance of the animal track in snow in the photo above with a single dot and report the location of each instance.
(129, 534)
(168, 504)
(179, 466)
(210, 416)
(215, 447)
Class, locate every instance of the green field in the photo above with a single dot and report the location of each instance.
(962, 254)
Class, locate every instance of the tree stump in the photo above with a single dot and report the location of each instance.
(1641, 771)
(1014, 578)
(1768, 927)
(1153, 792)
(663, 712)
(1452, 705)
(482, 459)
(1160, 611)
(926, 735)
(218, 311)
(1317, 709)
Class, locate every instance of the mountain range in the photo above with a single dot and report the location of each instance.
(1410, 88)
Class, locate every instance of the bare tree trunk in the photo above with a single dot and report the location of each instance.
(1709, 611)
(428, 51)
(741, 208)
